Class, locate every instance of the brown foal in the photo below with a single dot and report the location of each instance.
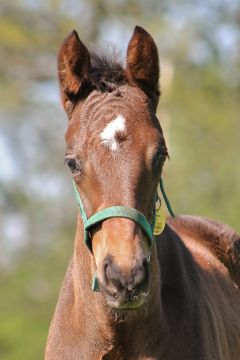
(179, 298)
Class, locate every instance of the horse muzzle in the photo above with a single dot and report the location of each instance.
(125, 290)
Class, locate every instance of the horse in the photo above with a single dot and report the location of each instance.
(173, 295)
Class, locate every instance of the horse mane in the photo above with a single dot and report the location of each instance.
(107, 73)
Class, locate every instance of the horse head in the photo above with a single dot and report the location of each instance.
(115, 151)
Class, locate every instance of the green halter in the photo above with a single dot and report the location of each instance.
(117, 212)
(112, 212)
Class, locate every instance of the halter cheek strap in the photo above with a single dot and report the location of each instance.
(118, 212)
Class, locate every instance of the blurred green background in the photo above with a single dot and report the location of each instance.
(199, 45)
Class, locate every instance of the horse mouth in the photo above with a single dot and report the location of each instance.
(126, 301)
(131, 305)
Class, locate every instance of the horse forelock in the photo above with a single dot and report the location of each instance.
(107, 73)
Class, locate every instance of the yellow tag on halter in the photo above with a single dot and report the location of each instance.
(160, 221)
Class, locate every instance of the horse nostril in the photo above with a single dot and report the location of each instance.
(111, 274)
(141, 275)
(106, 271)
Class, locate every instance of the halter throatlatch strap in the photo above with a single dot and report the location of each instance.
(166, 198)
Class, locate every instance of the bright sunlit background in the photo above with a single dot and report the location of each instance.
(199, 45)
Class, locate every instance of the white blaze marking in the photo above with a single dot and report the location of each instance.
(108, 135)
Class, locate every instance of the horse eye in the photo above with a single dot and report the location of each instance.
(159, 159)
(74, 166)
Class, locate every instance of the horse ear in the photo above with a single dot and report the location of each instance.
(73, 68)
(143, 63)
